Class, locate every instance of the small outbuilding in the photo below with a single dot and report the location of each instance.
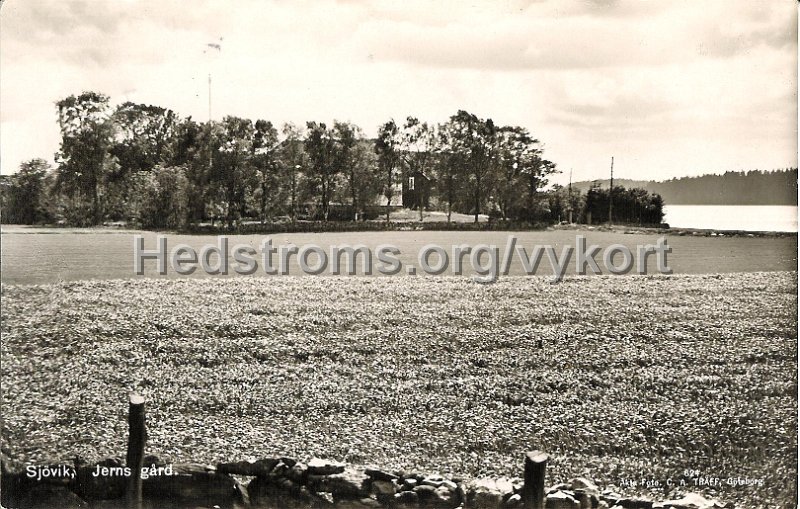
(417, 190)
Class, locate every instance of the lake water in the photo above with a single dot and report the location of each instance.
(46, 255)
(776, 218)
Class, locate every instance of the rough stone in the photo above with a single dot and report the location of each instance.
(193, 484)
(444, 496)
(433, 480)
(153, 460)
(261, 467)
(450, 485)
(298, 473)
(406, 498)
(505, 485)
(440, 497)
(558, 487)
(364, 503)
(10, 466)
(192, 468)
(635, 503)
(289, 462)
(587, 499)
(485, 494)
(380, 475)
(424, 491)
(273, 492)
(514, 500)
(347, 484)
(384, 491)
(461, 492)
(690, 501)
(319, 466)
(584, 484)
(610, 497)
(561, 500)
(281, 469)
(409, 484)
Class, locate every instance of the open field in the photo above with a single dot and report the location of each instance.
(636, 376)
(40, 255)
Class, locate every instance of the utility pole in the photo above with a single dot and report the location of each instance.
(611, 193)
(209, 97)
(570, 195)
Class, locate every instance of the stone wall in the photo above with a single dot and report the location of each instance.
(289, 483)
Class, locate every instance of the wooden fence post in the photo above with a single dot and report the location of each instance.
(137, 435)
(533, 489)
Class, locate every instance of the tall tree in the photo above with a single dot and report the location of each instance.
(418, 144)
(144, 136)
(347, 137)
(232, 169)
(387, 147)
(473, 138)
(160, 196)
(449, 166)
(191, 148)
(320, 145)
(535, 171)
(84, 158)
(24, 194)
(293, 159)
(515, 154)
(265, 162)
(565, 203)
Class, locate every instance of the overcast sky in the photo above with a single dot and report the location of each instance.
(669, 87)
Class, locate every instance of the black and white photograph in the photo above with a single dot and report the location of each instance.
(368, 254)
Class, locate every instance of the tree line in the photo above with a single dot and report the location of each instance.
(147, 166)
(752, 187)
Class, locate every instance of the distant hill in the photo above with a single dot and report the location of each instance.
(732, 188)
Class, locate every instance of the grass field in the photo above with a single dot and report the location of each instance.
(35, 255)
(636, 376)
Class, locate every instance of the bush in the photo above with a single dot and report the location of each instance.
(632, 206)
(161, 198)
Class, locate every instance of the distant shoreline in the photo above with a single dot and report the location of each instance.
(733, 188)
(374, 226)
(695, 232)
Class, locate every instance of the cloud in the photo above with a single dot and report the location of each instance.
(582, 35)
(102, 34)
(64, 19)
(649, 80)
(620, 113)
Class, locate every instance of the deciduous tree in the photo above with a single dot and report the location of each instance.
(24, 194)
(418, 145)
(320, 145)
(387, 147)
(265, 163)
(84, 158)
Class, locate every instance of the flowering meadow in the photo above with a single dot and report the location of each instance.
(618, 378)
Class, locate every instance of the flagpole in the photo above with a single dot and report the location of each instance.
(209, 48)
